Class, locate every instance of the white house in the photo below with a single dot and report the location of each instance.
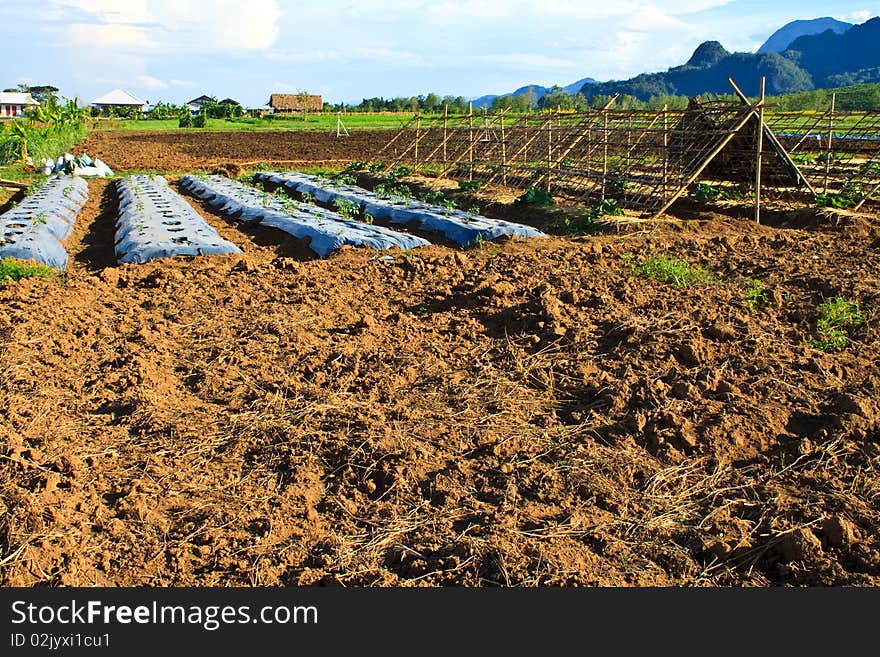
(15, 103)
(119, 98)
(195, 105)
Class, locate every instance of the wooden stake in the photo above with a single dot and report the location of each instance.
(830, 140)
(471, 141)
(867, 196)
(720, 147)
(549, 150)
(503, 151)
(418, 138)
(604, 153)
(774, 141)
(759, 155)
(665, 148)
(445, 129)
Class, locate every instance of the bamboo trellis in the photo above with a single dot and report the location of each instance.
(647, 159)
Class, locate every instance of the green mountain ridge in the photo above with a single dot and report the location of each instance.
(811, 62)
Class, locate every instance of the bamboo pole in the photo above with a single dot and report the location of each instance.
(418, 138)
(503, 151)
(471, 141)
(549, 151)
(604, 153)
(867, 196)
(445, 129)
(759, 155)
(720, 147)
(665, 148)
(830, 141)
(774, 141)
(586, 134)
(400, 132)
(12, 183)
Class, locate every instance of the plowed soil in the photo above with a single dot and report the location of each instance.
(192, 150)
(526, 413)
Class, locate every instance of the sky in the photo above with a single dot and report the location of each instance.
(175, 50)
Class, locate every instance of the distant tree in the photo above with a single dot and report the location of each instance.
(41, 93)
(432, 103)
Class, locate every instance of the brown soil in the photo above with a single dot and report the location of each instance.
(528, 413)
(185, 151)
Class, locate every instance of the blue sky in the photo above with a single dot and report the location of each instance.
(346, 50)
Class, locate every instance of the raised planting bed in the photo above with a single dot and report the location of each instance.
(461, 227)
(36, 228)
(325, 230)
(156, 222)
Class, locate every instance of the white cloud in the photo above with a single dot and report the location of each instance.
(170, 25)
(857, 17)
(151, 83)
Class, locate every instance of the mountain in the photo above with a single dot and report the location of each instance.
(707, 71)
(539, 91)
(822, 60)
(831, 57)
(782, 38)
(707, 54)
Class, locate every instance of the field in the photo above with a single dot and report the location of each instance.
(313, 122)
(584, 409)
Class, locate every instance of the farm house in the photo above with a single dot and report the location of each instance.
(195, 105)
(14, 104)
(286, 103)
(119, 99)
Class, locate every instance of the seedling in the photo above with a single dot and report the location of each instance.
(346, 208)
(13, 270)
(535, 196)
(835, 317)
(756, 295)
(671, 271)
(469, 185)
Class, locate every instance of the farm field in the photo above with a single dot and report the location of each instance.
(314, 122)
(529, 412)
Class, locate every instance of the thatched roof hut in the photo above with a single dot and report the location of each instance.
(295, 103)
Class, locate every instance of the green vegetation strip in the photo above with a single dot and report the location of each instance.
(836, 316)
(13, 270)
(671, 271)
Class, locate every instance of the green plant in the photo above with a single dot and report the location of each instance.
(199, 121)
(185, 121)
(346, 208)
(13, 270)
(671, 271)
(393, 191)
(308, 198)
(756, 295)
(344, 179)
(399, 171)
(469, 185)
(837, 201)
(535, 196)
(617, 184)
(40, 219)
(835, 317)
(356, 165)
(369, 219)
(710, 193)
(589, 221)
(376, 167)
